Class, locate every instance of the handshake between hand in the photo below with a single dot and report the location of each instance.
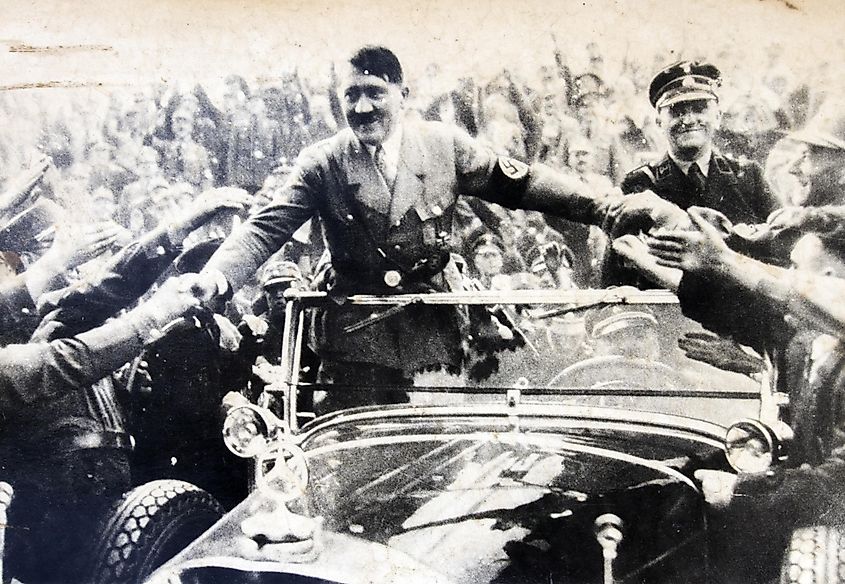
(180, 295)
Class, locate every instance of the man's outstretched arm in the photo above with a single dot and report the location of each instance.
(264, 233)
(537, 187)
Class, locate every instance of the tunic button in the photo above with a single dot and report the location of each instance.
(436, 210)
(350, 217)
(397, 247)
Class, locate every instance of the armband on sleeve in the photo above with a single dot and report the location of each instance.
(508, 182)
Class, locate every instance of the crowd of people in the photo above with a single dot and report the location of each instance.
(116, 230)
(132, 155)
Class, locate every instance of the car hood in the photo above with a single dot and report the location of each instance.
(492, 495)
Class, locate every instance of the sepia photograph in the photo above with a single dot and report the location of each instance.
(495, 292)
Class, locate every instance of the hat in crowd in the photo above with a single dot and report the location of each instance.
(684, 81)
(826, 129)
(280, 273)
(616, 319)
(480, 238)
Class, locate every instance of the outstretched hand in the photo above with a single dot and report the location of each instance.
(20, 186)
(77, 243)
(205, 207)
(642, 209)
(173, 299)
(788, 218)
(698, 251)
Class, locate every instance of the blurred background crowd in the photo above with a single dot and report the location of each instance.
(114, 188)
(131, 156)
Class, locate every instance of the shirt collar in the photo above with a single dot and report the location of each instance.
(703, 162)
(391, 147)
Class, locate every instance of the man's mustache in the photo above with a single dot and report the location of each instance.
(687, 127)
(360, 119)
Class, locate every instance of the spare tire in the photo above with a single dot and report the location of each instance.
(149, 525)
(816, 555)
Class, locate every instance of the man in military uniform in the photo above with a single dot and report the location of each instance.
(385, 190)
(692, 172)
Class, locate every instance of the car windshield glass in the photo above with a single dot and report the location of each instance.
(599, 347)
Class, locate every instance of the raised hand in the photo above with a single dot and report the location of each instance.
(699, 251)
(205, 207)
(719, 352)
(21, 185)
(77, 243)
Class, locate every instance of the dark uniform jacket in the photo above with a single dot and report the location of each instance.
(737, 189)
(18, 316)
(66, 406)
(810, 488)
(370, 231)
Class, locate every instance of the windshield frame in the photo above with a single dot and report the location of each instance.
(282, 394)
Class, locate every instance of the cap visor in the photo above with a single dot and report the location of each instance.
(685, 96)
(816, 138)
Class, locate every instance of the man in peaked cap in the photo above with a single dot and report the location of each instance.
(692, 172)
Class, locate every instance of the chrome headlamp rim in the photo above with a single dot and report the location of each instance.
(263, 428)
(751, 446)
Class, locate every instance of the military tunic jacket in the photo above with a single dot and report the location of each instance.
(371, 229)
(737, 189)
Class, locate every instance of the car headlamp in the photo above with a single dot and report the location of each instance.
(752, 447)
(245, 431)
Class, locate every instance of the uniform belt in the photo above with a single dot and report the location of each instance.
(423, 269)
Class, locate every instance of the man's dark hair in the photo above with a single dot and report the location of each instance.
(379, 61)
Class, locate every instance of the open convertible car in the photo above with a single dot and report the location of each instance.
(564, 452)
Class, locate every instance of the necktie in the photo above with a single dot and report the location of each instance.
(696, 178)
(381, 165)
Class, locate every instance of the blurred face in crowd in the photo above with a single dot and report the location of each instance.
(810, 254)
(372, 105)
(581, 160)
(551, 105)
(801, 168)
(147, 162)
(689, 126)
(233, 95)
(488, 260)
(183, 125)
(99, 155)
(257, 106)
(821, 171)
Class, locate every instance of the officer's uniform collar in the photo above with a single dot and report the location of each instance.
(703, 162)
